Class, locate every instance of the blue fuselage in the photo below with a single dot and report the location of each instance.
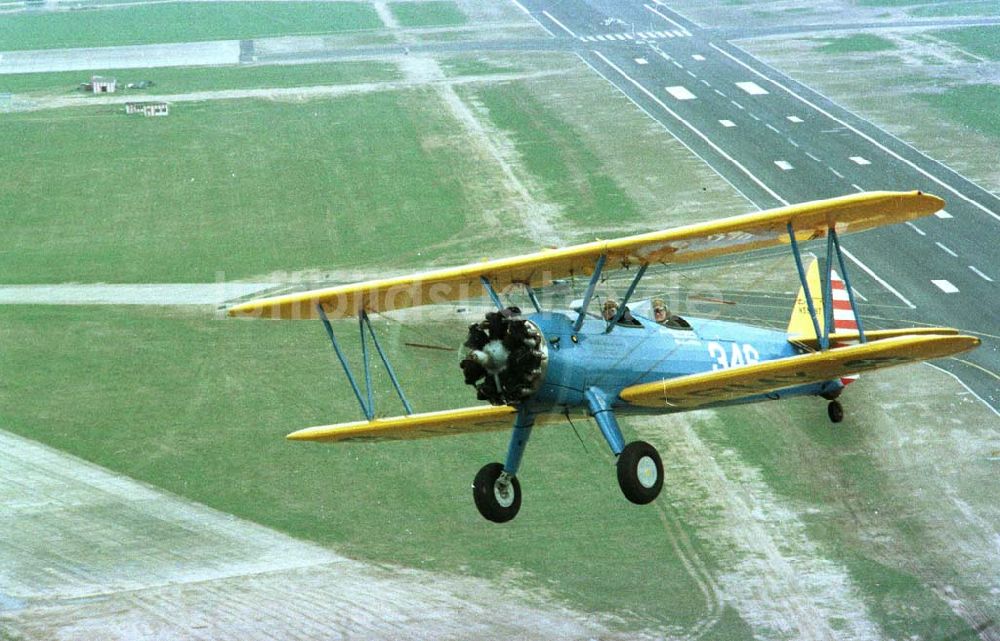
(626, 356)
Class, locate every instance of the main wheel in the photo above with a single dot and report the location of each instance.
(835, 411)
(497, 494)
(640, 472)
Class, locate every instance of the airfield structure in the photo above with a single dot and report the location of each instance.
(148, 109)
(100, 84)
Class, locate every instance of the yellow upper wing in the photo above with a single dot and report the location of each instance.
(748, 232)
(697, 390)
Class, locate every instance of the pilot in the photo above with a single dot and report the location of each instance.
(662, 315)
(611, 309)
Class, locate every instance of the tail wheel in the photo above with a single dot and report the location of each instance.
(640, 472)
(497, 493)
(506, 358)
(835, 411)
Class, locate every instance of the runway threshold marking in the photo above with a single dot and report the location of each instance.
(854, 259)
(752, 88)
(680, 93)
(945, 286)
(826, 113)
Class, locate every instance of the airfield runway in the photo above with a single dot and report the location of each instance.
(779, 142)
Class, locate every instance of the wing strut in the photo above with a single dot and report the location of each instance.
(832, 247)
(367, 408)
(488, 286)
(628, 294)
(594, 279)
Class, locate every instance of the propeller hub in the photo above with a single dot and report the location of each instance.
(507, 357)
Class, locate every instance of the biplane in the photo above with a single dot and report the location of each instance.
(537, 367)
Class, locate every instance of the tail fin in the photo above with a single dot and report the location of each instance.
(800, 324)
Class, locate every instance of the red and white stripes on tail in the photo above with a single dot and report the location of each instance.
(844, 319)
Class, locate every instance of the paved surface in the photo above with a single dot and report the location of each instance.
(780, 142)
(94, 555)
(138, 294)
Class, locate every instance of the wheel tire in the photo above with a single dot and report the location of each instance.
(491, 502)
(640, 472)
(835, 411)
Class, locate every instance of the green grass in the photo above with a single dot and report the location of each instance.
(980, 8)
(442, 13)
(476, 66)
(243, 187)
(186, 79)
(858, 43)
(980, 41)
(569, 172)
(896, 3)
(181, 22)
(974, 106)
(846, 492)
(199, 407)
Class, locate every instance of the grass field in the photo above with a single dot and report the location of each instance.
(191, 195)
(186, 79)
(979, 41)
(428, 14)
(859, 43)
(181, 22)
(971, 105)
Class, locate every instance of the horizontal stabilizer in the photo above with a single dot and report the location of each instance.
(697, 390)
(690, 243)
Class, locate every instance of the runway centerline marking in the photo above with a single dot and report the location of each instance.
(980, 274)
(754, 117)
(705, 82)
(915, 228)
(854, 259)
(727, 123)
(835, 172)
(856, 187)
(737, 105)
(772, 127)
(693, 129)
(826, 113)
(945, 286)
(691, 73)
(946, 250)
(558, 24)
(813, 157)
(677, 64)
(720, 93)
(680, 93)
(860, 161)
(792, 142)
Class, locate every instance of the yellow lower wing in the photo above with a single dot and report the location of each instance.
(697, 390)
(486, 418)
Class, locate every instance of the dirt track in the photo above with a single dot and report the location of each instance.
(91, 555)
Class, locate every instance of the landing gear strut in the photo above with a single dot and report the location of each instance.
(835, 411)
(497, 493)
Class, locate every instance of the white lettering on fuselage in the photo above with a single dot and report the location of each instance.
(738, 356)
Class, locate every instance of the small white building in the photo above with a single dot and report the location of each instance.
(100, 84)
